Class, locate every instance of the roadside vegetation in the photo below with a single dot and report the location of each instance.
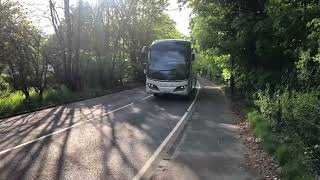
(15, 102)
(268, 51)
(94, 48)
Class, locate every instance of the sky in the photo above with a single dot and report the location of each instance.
(39, 8)
(182, 18)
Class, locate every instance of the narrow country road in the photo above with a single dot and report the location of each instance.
(118, 135)
(110, 137)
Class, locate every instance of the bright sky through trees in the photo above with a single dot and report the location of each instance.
(39, 9)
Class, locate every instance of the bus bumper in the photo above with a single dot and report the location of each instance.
(160, 87)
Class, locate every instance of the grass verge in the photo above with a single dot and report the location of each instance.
(15, 103)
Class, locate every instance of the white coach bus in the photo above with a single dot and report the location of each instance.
(169, 69)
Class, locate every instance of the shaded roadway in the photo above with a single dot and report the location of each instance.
(108, 146)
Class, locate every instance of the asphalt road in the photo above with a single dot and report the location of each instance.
(209, 147)
(110, 137)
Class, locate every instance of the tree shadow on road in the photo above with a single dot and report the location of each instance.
(153, 122)
(18, 163)
(124, 138)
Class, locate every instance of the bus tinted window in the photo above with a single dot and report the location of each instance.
(169, 61)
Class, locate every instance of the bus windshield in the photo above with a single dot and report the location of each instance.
(169, 61)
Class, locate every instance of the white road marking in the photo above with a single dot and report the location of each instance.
(120, 92)
(65, 129)
(61, 130)
(146, 97)
(147, 165)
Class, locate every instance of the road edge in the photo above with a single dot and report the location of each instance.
(148, 168)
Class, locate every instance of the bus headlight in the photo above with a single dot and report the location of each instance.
(181, 88)
(151, 86)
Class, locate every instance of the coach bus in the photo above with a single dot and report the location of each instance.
(169, 69)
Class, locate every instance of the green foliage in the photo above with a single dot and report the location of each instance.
(11, 103)
(213, 65)
(262, 129)
(283, 154)
(294, 170)
(15, 102)
(295, 119)
(100, 51)
(308, 69)
(19, 48)
(4, 85)
(254, 118)
(273, 42)
(273, 50)
(289, 154)
(166, 29)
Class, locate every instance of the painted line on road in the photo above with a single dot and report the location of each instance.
(117, 93)
(67, 128)
(154, 156)
(146, 97)
(61, 130)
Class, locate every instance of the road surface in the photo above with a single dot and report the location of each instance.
(209, 147)
(110, 137)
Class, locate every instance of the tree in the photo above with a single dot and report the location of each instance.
(20, 51)
(273, 50)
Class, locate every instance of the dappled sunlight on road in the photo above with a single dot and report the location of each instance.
(87, 139)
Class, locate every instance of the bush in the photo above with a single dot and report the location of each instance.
(213, 66)
(249, 81)
(289, 154)
(282, 154)
(289, 124)
(11, 103)
(15, 102)
(262, 129)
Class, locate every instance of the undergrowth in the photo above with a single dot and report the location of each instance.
(289, 154)
(15, 102)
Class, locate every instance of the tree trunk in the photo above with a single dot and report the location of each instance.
(60, 37)
(41, 96)
(232, 81)
(68, 39)
(77, 78)
(26, 94)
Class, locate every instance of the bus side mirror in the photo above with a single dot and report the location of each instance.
(145, 50)
(192, 57)
(145, 68)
